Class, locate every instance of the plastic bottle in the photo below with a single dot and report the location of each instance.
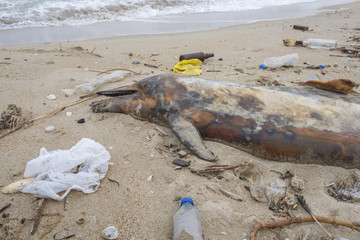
(320, 43)
(275, 62)
(198, 55)
(187, 219)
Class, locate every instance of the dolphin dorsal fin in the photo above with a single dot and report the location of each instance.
(189, 135)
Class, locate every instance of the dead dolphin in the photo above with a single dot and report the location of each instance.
(299, 125)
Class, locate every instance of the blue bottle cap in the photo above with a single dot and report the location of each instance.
(186, 200)
(262, 66)
(322, 66)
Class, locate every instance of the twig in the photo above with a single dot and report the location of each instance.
(307, 209)
(162, 133)
(38, 215)
(114, 69)
(111, 180)
(286, 222)
(5, 207)
(53, 226)
(93, 50)
(231, 195)
(63, 108)
(216, 168)
(44, 234)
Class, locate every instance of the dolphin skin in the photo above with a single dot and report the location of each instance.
(290, 124)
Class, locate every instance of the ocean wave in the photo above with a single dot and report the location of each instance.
(39, 13)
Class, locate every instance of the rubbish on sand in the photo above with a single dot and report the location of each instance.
(17, 186)
(313, 43)
(347, 189)
(303, 28)
(337, 85)
(91, 85)
(188, 67)
(282, 61)
(80, 168)
(198, 55)
(187, 219)
(286, 222)
(110, 233)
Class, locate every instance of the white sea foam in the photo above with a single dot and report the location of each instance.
(39, 13)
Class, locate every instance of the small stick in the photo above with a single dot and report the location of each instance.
(5, 207)
(53, 226)
(38, 215)
(231, 195)
(93, 50)
(162, 133)
(115, 69)
(286, 222)
(111, 180)
(307, 209)
(216, 168)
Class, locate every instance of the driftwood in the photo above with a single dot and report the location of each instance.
(286, 222)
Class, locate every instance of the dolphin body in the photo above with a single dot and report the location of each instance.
(298, 124)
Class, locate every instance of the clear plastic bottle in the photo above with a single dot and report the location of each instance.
(187, 219)
(275, 62)
(320, 43)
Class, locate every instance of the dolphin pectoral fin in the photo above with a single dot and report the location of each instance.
(189, 135)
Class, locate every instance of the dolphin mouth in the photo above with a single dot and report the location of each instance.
(122, 91)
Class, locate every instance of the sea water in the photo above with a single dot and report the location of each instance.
(168, 15)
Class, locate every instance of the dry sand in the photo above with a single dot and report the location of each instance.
(138, 208)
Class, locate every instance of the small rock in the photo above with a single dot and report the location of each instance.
(80, 221)
(81, 120)
(68, 114)
(149, 178)
(51, 97)
(177, 198)
(49, 129)
(181, 162)
(182, 153)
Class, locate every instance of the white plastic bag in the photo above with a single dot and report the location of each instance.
(91, 85)
(80, 168)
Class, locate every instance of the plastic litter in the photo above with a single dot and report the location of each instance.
(286, 60)
(188, 67)
(187, 219)
(93, 84)
(80, 168)
(110, 233)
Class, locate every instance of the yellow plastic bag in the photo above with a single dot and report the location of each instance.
(188, 67)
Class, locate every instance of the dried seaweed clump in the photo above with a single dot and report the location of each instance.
(346, 190)
(11, 118)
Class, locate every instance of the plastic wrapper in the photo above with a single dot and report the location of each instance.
(93, 84)
(80, 168)
(188, 67)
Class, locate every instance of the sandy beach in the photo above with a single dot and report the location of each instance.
(126, 198)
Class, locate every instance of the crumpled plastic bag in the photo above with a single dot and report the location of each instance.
(80, 168)
(91, 85)
(188, 67)
(271, 191)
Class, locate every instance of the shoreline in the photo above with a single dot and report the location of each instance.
(166, 25)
